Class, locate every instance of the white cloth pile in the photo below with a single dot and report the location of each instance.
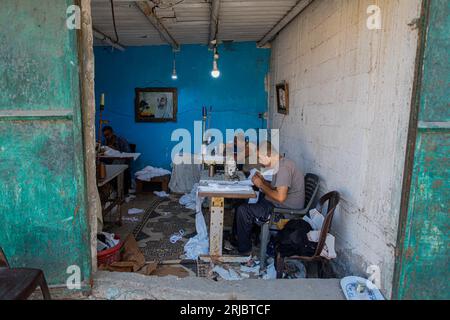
(149, 172)
(316, 220)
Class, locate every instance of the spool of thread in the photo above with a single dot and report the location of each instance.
(102, 171)
(212, 171)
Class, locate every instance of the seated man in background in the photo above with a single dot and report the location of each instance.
(113, 141)
(287, 190)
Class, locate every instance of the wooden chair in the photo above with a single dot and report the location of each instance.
(333, 199)
(20, 283)
(311, 190)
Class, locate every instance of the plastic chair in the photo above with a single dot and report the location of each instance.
(311, 190)
(333, 199)
(20, 283)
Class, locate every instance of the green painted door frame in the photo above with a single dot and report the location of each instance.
(43, 203)
(422, 262)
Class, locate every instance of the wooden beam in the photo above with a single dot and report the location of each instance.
(147, 10)
(295, 11)
(214, 21)
(103, 37)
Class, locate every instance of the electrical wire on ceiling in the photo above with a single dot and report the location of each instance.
(157, 4)
(114, 20)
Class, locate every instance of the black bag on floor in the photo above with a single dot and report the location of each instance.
(293, 239)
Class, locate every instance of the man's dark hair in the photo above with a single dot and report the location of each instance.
(106, 128)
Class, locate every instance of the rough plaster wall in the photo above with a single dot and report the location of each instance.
(350, 91)
(88, 107)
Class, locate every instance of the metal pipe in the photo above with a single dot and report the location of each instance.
(299, 7)
(146, 9)
(101, 36)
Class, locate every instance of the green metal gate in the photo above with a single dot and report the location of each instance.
(42, 178)
(422, 270)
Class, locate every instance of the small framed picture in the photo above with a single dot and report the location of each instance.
(156, 104)
(283, 98)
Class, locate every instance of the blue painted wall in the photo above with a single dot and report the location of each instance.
(237, 97)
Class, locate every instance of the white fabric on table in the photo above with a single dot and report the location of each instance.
(149, 172)
(115, 153)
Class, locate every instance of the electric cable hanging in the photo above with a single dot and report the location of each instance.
(157, 4)
(114, 21)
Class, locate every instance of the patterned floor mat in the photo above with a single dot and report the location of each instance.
(162, 220)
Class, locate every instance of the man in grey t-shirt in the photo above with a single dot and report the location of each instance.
(287, 190)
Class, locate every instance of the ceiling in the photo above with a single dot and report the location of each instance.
(187, 21)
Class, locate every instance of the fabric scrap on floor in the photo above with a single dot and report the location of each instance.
(131, 219)
(254, 269)
(174, 238)
(271, 272)
(135, 211)
(161, 194)
(229, 274)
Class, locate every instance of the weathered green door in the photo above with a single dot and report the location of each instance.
(423, 269)
(43, 221)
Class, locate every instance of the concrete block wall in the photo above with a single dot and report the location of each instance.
(350, 95)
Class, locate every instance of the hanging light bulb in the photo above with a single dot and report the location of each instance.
(215, 73)
(174, 72)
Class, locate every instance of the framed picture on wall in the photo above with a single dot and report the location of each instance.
(156, 104)
(283, 97)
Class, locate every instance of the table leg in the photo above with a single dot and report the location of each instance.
(120, 196)
(216, 227)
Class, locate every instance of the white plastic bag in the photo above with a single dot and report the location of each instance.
(315, 219)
